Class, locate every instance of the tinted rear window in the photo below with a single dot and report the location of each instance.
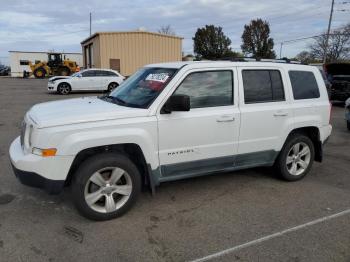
(262, 86)
(304, 85)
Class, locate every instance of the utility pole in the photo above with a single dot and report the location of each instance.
(90, 23)
(327, 36)
(281, 50)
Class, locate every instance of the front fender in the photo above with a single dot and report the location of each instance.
(147, 141)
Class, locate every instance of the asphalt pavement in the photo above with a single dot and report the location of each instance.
(247, 215)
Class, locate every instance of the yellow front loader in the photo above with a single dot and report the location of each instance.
(55, 66)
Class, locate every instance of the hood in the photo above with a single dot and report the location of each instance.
(80, 110)
(58, 78)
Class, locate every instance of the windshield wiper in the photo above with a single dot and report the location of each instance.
(120, 100)
(117, 100)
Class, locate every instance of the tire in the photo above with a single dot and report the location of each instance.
(39, 72)
(100, 168)
(296, 158)
(112, 86)
(64, 71)
(64, 88)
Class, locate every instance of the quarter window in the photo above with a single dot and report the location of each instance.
(262, 86)
(304, 85)
(208, 89)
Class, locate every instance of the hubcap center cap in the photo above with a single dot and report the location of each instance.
(108, 189)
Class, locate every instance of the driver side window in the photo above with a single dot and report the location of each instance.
(208, 88)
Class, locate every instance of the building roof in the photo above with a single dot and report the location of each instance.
(43, 52)
(127, 32)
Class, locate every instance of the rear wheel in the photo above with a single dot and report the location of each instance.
(112, 86)
(39, 72)
(64, 89)
(106, 186)
(296, 158)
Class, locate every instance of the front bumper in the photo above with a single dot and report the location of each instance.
(51, 87)
(48, 173)
(35, 180)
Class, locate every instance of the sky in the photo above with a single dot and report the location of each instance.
(32, 25)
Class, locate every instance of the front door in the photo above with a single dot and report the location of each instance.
(203, 139)
(89, 81)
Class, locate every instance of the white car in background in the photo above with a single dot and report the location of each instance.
(86, 80)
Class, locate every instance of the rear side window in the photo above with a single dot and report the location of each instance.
(304, 85)
(262, 86)
(110, 73)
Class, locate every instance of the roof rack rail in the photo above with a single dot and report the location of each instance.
(252, 59)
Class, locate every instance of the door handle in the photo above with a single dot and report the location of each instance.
(227, 118)
(280, 114)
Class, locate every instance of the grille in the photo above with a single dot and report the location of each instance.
(23, 132)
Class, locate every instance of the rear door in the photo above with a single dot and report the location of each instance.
(266, 114)
(103, 78)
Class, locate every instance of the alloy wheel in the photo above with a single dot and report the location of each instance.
(108, 189)
(298, 159)
(112, 86)
(64, 89)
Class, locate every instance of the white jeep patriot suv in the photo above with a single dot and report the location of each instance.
(173, 121)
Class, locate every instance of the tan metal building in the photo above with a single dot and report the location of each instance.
(128, 51)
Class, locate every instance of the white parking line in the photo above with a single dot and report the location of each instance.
(265, 238)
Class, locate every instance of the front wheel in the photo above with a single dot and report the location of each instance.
(106, 186)
(64, 89)
(296, 158)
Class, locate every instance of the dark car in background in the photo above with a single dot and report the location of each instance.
(347, 113)
(4, 70)
(338, 75)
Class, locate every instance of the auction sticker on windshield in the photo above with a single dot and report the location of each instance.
(161, 77)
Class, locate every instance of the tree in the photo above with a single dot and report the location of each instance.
(256, 40)
(166, 30)
(210, 42)
(338, 45)
(305, 57)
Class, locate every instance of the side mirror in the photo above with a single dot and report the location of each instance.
(176, 103)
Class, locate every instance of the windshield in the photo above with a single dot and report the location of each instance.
(142, 88)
